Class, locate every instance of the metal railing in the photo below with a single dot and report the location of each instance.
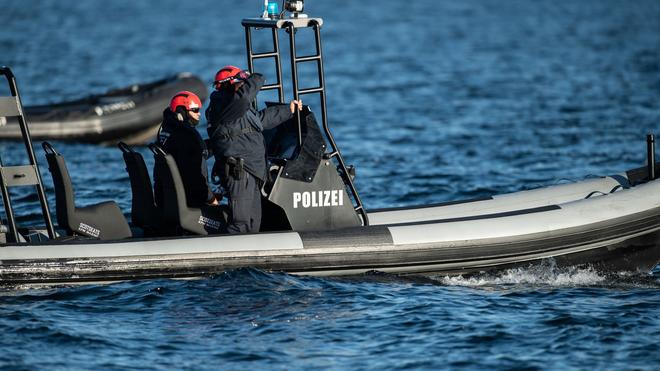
(23, 175)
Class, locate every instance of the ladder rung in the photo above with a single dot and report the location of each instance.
(310, 91)
(23, 175)
(264, 55)
(9, 107)
(271, 87)
(308, 58)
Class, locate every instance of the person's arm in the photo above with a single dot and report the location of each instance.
(225, 107)
(274, 115)
(250, 88)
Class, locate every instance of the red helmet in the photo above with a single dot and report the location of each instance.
(185, 99)
(230, 74)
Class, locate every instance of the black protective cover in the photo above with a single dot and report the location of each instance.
(303, 163)
(303, 170)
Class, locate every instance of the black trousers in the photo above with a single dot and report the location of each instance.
(244, 204)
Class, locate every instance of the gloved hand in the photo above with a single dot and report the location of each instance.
(243, 75)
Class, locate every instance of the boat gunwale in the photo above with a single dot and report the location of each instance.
(640, 223)
(211, 265)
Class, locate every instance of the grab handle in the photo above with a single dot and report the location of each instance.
(11, 80)
(6, 71)
(125, 147)
(157, 150)
(48, 148)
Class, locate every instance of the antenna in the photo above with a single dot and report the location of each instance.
(295, 7)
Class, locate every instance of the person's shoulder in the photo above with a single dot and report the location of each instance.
(220, 98)
(168, 126)
(182, 131)
(190, 131)
(215, 94)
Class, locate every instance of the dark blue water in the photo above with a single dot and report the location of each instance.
(432, 101)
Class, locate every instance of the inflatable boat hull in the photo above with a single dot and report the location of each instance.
(617, 227)
(131, 114)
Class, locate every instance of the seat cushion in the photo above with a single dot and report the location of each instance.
(206, 220)
(104, 221)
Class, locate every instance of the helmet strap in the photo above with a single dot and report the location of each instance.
(181, 113)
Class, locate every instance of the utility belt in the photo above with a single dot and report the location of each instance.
(230, 167)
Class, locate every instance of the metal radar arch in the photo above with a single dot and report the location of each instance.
(275, 21)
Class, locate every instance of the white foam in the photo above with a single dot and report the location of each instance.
(544, 274)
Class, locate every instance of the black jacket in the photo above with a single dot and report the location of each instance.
(185, 144)
(235, 127)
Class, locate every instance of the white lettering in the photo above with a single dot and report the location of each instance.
(207, 222)
(82, 227)
(314, 204)
(306, 199)
(318, 198)
(114, 107)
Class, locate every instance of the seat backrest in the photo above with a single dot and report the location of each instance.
(103, 220)
(144, 213)
(173, 194)
(64, 196)
(175, 209)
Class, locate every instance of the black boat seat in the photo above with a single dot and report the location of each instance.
(104, 220)
(203, 221)
(145, 213)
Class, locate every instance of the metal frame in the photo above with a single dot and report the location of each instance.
(25, 174)
(650, 156)
(290, 25)
(274, 54)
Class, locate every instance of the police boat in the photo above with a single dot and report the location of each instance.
(131, 114)
(314, 221)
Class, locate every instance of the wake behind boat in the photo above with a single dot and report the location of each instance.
(314, 220)
(131, 114)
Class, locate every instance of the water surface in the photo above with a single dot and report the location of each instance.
(432, 101)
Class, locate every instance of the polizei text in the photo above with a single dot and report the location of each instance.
(318, 198)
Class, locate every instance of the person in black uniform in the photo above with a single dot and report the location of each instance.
(178, 137)
(235, 132)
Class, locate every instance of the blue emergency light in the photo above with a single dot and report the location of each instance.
(271, 9)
